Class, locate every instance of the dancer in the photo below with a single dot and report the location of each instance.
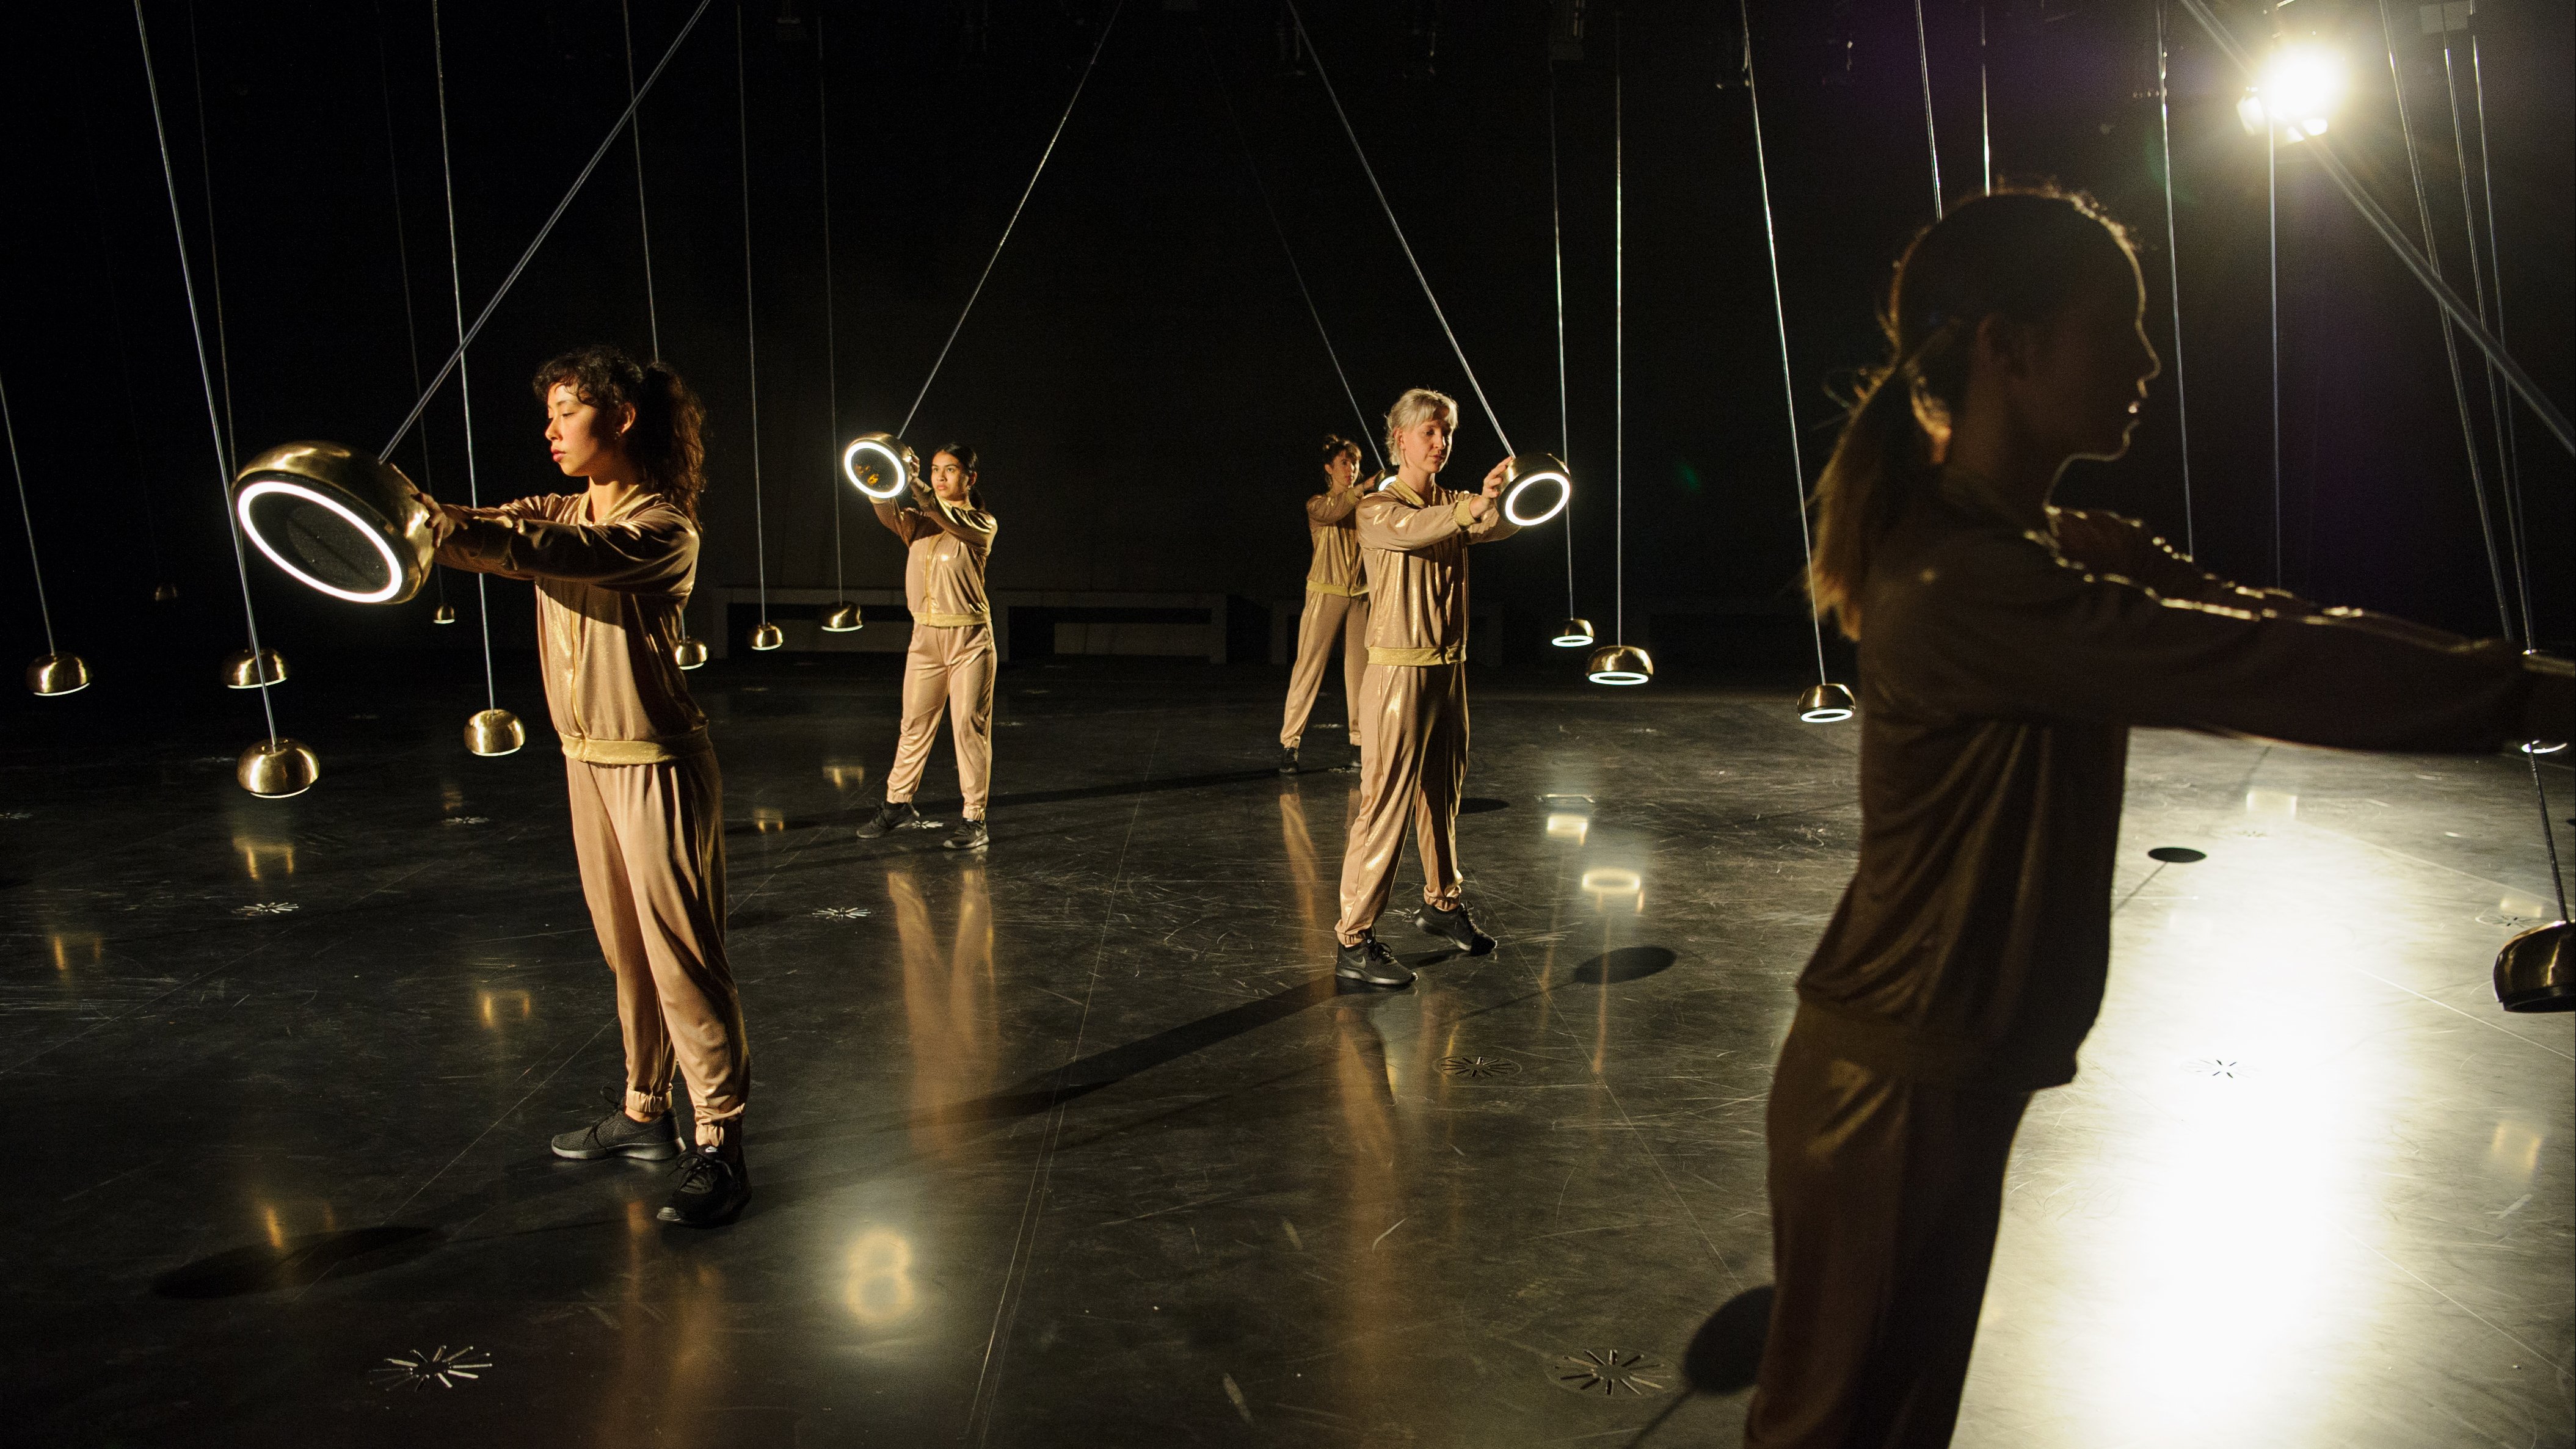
(1336, 601)
(950, 665)
(1412, 707)
(2006, 648)
(612, 566)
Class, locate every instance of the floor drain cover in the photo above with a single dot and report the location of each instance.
(1479, 1066)
(417, 1370)
(843, 913)
(1612, 1373)
(266, 908)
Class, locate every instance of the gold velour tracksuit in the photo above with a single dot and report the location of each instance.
(951, 661)
(647, 801)
(2005, 657)
(1337, 606)
(1412, 707)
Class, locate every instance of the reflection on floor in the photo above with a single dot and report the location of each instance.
(1078, 1145)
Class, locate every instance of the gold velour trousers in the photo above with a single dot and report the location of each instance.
(950, 669)
(1413, 768)
(1327, 616)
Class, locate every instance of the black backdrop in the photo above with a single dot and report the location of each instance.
(1141, 373)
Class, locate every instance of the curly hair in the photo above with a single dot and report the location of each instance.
(1335, 445)
(666, 440)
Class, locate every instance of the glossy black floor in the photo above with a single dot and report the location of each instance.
(1076, 1144)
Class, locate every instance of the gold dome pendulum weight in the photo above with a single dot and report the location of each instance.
(767, 636)
(495, 732)
(1619, 664)
(1826, 704)
(443, 614)
(243, 670)
(1573, 634)
(277, 768)
(690, 653)
(52, 672)
(2536, 971)
(842, 618)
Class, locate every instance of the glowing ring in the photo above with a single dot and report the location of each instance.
(886, 448)
(1619, 676)
(1571, 641)
(1834, 714)
(265, 486)
(1527, 481)
(1611, 882)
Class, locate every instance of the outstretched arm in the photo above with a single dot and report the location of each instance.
(647, 554)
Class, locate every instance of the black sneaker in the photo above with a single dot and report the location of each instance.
(892, 815)
(711, 1190)
(1287, 759)
(969, 835)
(1454, 928)
(618, 1135)
(1371, 964)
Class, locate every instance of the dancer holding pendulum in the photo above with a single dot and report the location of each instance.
(1337, 605)
(2009, 647)
(1411, 712)
(612, 566)
(948, 537)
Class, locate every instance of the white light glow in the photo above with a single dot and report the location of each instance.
(1517, 511)
(894, 468)
(2300, 86)
(1834, 714)
(1618, 676)
(266, 486)
(1571, 641)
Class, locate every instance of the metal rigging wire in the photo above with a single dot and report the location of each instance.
(1619, 327)
(1931, 138)
(402, 260)
(831, 336)
(1025, 192)
(464, 380)
(205, 372)
(1556, 255)
(1985, 111)
(635, 133)
(2272, 259)
(2478, 284)
(1397, 227)
(543, 232)
(751, 319)
(2173, 265)
(1780, 309)
(214, 247)
(35, 565)
(1279, 229)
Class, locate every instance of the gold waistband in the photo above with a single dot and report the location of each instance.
(1419, 658)
(1318, 586)
(636, 752)
(952, 621)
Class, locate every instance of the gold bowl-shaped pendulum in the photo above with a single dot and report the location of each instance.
(1573, 634)
(241, 671)
(767, 636)
(1619, 664)
(1536, 488)
(275, 769)
(164, 593)
(878, 465)
(690, 653)
(842, 618)
(443, 614)
(1826, 704)
(58, 674)
(340, 522)
(2536, 971)
(495, 732)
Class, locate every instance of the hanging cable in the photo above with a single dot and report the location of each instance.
(831, 342)
(751, 322)
(2450, 344)
(402, 260)
(1619, 328)
(1931, 138)
(2272, 258)
(1780, 310)
(214, 247)
(205, 372)
(2173, 268)
(1279, 229)
(635, 133)
(1985, 112)
(987, 274)
(464, 380)
(2478, 284)
(1556, 256)
(35, 565)
(435, 383)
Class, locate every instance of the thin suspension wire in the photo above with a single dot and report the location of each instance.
(464, 379)
(543, 232)
(2272, 255)
(831, 336)
(2450, 343)
(1556, 254)
(1279, 228)
(402, 259)
(35, 565)
(214, 247)
(1326, 76)
(2478, 285)
(1619, 327)
(2512, 444)
(2548, 834)
(1931, 137)
(205, 372)
(1780, 310)
(2173, 270)
(635, 133)
(1985, 111)
(751, 318)
(1025, 192)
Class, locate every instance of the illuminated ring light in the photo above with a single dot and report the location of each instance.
(1573, 634)
(1826, 704)
(887, 454)
(1620, 664)
(338, 522)
(1520, 481)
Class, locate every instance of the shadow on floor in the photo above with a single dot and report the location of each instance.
(298, 1261)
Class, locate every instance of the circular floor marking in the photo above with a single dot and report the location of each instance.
(1479, 1066)
(418, 1370)
(1612, 1373)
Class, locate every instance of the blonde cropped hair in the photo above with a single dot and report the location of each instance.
(1417, 404)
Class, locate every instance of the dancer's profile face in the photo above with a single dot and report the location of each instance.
(1425, 445)
(950, 479)
(1342, 470)
(585, 441)
(2078, 381)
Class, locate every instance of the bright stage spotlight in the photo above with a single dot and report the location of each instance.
(2300, 86)
(878, 465)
